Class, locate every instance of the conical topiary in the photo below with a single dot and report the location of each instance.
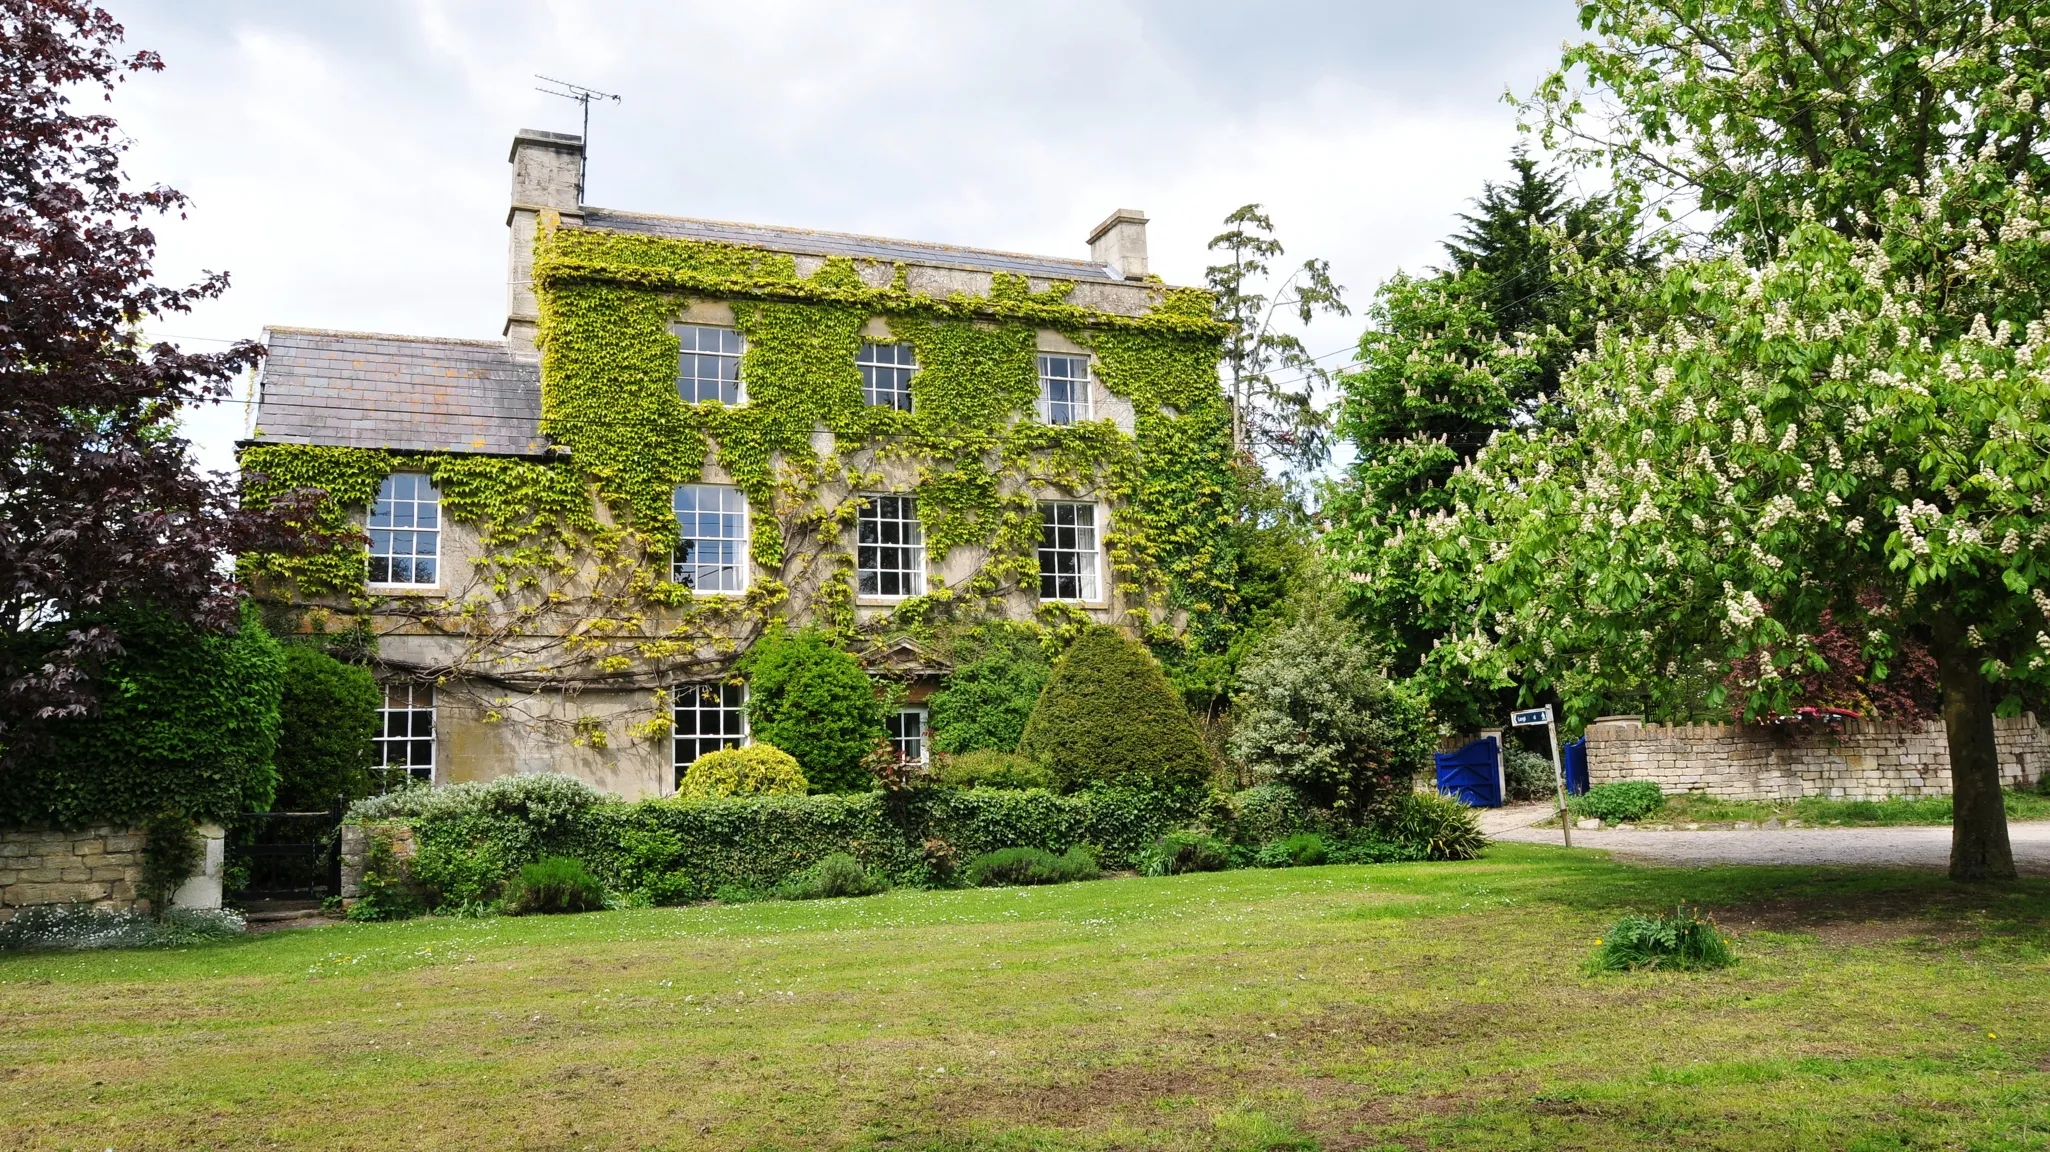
(1108, 716)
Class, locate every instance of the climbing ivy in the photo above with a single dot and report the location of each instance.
(587, 534)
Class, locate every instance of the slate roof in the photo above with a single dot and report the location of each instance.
(817, 243)
(419, 393)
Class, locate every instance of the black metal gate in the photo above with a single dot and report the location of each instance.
(286, 855)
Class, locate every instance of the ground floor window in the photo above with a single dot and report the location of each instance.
(405, 736)
(708, 717)
(907, 734)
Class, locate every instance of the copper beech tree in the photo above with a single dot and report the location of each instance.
(101, 505)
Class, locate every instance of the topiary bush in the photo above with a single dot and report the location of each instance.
(327, 716)
(554, 885)
(1314, 711)
(1185, 851)
(187, 722)
(1621, 801)
(988, 768)
(813, 701)
(1009, 866)
(760, 769)
(1437, 826)
(1684, 941)
(1108, 716)
(837, 875)
(985, 702)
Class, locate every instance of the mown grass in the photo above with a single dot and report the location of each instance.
(1692, 808)
(1392, 1006)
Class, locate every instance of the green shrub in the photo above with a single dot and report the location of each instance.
(1266, 813)
(1439, 827)
(1108, 716)
(187, 722)
(1530, 775)
(988, 768)
(171, 852)
(813, 701)
(1683, 941)
(837, 875)
(1314, 711)
(984, 703)
(327, 716)
(1185, 851)
(1621, 801)
(1302, 850)
(387, 891)
(553, 885)
(1009, 866)
(760, 769)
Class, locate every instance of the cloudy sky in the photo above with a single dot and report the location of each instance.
(347, 163)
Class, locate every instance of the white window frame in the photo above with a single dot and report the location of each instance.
(1080, 406)
(389, 506)
(903, 511)
(871, 362)
(692, 335)
(406, 703)
(730, 551)
(918, 738)
(689, 696)
(1088, 579)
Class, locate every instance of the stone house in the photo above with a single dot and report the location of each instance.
(692, 431)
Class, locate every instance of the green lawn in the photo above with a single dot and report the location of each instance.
(1398, 1006)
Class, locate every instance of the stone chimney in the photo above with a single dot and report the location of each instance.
(1120, 241)
(547, 167)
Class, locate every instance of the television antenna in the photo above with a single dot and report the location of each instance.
(582, 96)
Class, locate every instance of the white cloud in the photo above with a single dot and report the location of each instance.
(347, 163)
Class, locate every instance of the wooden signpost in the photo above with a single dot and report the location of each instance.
(1530, 718)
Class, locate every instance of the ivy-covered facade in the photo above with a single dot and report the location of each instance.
(695, 431)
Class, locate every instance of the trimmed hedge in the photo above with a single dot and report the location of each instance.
(687, 849)
(812, 700)
(759, 769)
(327, 716)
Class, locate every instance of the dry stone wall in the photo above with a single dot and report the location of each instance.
(100, 866)
(1867, 760)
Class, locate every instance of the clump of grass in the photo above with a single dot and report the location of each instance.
(1186, 851)
(837, 875)
(1685, 941)
(1032, 866)
(553, 885)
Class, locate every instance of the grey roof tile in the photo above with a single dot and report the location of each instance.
(877, 248)
(413, 393)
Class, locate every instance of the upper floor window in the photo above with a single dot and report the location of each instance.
(1068, 556)
(886, 374)
(709, 364)
(405, 736)
(889, 552)
(405, 531)
(1063, 389)
(711, 549)
(707, 717)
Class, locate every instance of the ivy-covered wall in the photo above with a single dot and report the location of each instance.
(567, 558)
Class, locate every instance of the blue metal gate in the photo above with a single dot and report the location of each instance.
(1472, 775)
(1574, 761)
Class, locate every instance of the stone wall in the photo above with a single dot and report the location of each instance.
(1866, 761)
(356, 852)
(100, 866)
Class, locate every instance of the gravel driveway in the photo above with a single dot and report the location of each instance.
(1906, 847)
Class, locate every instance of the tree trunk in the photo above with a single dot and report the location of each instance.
(1979, 849)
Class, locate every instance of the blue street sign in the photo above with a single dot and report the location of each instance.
(1533, 716)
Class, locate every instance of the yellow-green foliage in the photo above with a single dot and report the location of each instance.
(609, 401)
(756, 770)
